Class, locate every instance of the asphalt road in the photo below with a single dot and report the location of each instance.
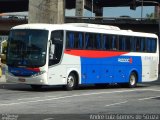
(88, 102)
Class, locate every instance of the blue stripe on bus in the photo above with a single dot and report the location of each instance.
(110, 70)
(21, 71)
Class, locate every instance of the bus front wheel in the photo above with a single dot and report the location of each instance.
(132, 80)
(71, 82)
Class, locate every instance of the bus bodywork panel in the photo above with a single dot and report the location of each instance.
(37, 80)
(27, 75)
(116, 67)
(57, 74)
(107, 66)
(150, 67)
(110, 70)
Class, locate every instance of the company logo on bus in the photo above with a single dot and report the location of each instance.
(125, 60)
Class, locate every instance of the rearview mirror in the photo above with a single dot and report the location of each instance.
(52, 49)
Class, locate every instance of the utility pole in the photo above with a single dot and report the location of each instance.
(92, 8)
(142, 10)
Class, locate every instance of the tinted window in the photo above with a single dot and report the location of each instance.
(74, 40)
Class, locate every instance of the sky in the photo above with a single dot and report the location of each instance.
(118, 11)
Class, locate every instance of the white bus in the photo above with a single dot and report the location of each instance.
(79, 53)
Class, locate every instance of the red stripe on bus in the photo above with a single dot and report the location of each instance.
(94, 53)
(34, 69)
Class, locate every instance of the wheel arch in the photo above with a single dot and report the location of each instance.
(136, 73)
(76, 75)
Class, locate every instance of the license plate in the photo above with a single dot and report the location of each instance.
(21, 80)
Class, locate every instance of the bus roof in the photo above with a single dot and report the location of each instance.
(48, 26)
(97, 28)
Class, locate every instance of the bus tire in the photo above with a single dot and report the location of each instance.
(132, 80)
(36, 87)
(71, 82)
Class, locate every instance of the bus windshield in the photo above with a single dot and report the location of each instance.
(27, 48)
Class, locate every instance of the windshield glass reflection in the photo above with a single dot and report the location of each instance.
(27, 48)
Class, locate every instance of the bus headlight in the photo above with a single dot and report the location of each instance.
(38, 73)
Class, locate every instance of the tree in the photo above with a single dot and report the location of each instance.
(150, 16)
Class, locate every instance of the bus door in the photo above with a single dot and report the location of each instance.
(57, 40)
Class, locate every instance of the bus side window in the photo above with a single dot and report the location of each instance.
(74, 40)
(88, 41)
(154, 45)
(109, 42)
(138, 42)
(114, 43)
(148, 44)
(80, 40)
(104, 46)
(106, 42)
(98, 41)
(142, 45)
(127, 43)
(122, 43)
(77, 40)
(151, 45)
(133, 44)
(69, 40)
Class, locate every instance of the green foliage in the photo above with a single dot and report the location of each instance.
(150, 16)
